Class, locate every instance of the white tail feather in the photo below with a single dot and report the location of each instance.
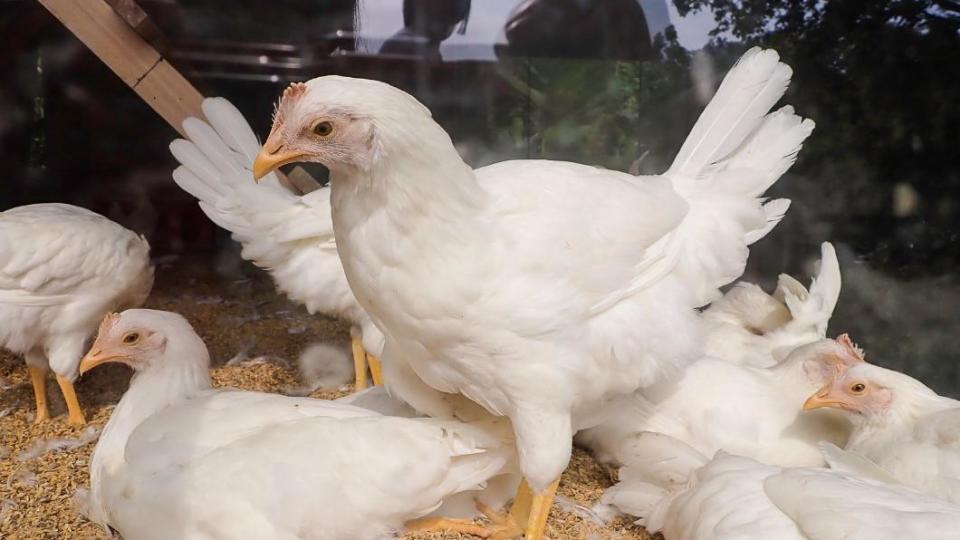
(814, 308)
(774, 210)
(734, 152)
(752, 86)
(772, 149)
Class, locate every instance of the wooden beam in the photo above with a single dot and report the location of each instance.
(134, 60)
(120, 46)
(136, 18)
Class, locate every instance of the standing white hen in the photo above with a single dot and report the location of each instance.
(541, 290)
(900, 424)
(289, 235)
(62, 268)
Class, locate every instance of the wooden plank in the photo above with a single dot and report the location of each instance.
(111, 37)
(136, 18)
(137, 63)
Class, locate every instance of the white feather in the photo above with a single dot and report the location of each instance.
(749, 326)
(541, 290)
(291, 236)
(907, 430)
(62, 268)
(167, 463)
(733, 497)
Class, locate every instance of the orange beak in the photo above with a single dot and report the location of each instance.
(273, 156)
(98, 356)
(822, 399)
(267, 163)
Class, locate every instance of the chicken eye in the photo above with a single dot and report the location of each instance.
(858, 388)
(323, 129)
(131, 338)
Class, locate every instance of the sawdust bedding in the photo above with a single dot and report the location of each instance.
(254, 335)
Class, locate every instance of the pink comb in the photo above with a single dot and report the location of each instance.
(851, 347)
(291, 95)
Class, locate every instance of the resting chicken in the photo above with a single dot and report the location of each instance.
(179, 459)
(900, 424)
(733, 497)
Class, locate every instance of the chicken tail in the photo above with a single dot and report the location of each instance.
(736, 150)
(812, 309)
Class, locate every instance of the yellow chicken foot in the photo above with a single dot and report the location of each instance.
(73, 404)
(359, 364)
(39, 379)
(375, 370)
(502, 526)
(438, 524)
(532, 509)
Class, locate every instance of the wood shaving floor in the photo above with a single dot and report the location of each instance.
(235, 312)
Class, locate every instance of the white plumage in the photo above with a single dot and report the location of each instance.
(733, 497)
(743, 402)
(901, 425)
(539, 289)
(741, 409)
(181, 460)
(289, 235)
(749, 326)
(61, 269)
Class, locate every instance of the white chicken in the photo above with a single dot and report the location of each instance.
(541, 290)
(741, 409)
(289, 235)
(749, 326)
(734, 497)
(900, 424)
(62, 268)
(179, 459)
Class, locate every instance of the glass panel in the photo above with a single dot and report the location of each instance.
(612, 83)
(616, 83)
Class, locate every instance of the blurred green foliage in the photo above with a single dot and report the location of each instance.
(880, 78)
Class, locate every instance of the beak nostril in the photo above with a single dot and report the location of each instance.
(272, 149)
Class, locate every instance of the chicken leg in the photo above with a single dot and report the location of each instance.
(361, 360)
(539, 510)
(359, 364)
(375, 370)
(527, 508)
(502, 527)
(531, 509)
(73, 404)
(38, 377)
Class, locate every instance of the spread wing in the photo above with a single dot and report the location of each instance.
(289, 235)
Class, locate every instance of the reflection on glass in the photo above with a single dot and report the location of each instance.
(616, 83)
(426, 23)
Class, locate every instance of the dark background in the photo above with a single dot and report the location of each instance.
(583, 80)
